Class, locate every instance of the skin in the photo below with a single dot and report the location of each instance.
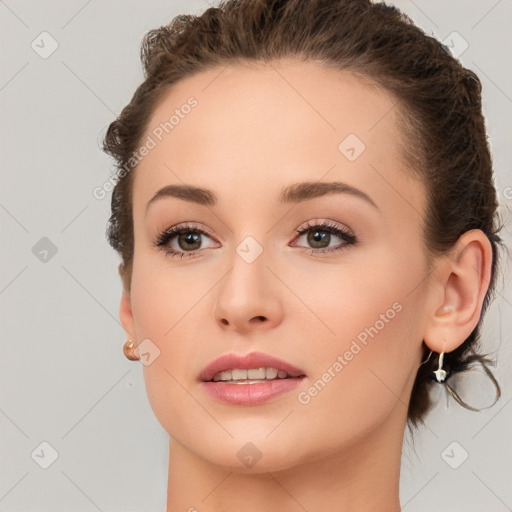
(254, 131)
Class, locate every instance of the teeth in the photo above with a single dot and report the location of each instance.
(250, 374)
(238, 374)
(223, 376)
(271, 373)
(256, 373)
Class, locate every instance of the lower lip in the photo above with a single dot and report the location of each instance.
(250, 394)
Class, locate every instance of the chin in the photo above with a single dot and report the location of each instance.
(250, 454)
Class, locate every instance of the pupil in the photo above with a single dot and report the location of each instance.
(190, 238)
(318, 237)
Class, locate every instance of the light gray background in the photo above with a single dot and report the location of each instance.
(63, 377)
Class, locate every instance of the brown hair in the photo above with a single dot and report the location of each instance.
(438, 100)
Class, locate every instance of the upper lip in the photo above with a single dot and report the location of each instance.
(247, 361)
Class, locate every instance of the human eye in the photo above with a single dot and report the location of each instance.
(188, 240)
(320, 235)
(185, 240)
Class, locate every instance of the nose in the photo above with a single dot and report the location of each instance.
(248, 297)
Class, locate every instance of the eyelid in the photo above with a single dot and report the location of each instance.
(184, 226)
(325, 224)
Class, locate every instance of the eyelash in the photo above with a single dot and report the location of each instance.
(350, 239)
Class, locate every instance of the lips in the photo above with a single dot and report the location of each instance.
(253, 360)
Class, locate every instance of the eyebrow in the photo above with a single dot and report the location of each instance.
(295, 193)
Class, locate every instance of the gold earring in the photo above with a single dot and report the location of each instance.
(128, 350)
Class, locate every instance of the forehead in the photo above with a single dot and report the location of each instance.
(273, 123)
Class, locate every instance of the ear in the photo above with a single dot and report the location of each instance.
(126, 316)
(125, 310)
(463, 278)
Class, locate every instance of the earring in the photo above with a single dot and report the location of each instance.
(442, 376)
(440, 373)
(128, 350)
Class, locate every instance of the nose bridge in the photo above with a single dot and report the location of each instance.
(247, 292)
(247, 277)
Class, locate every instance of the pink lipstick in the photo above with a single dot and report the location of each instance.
(249, 379)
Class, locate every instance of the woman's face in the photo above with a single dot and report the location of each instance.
(345, 307)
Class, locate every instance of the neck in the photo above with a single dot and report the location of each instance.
(362, 477)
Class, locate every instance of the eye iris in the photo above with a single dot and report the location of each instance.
(189, 238)
(318, 236)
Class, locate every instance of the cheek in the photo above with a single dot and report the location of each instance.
(363, 375)
(346, 300)
(161, 319)
(365, 357)
(169, 309)
(164, 299)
